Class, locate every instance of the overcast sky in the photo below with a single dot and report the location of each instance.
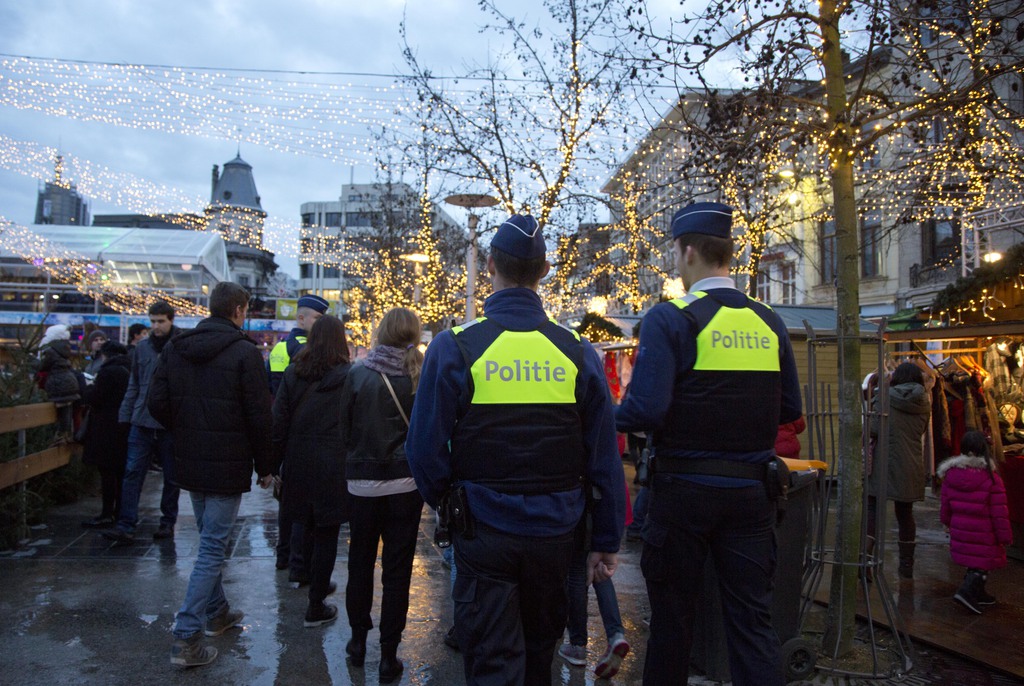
(306, 35)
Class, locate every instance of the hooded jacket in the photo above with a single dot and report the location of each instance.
(61, 383)
(974, 509)
(210, 390)
(910, 409)
(309, 435)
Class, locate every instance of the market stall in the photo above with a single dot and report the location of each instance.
(980, 369)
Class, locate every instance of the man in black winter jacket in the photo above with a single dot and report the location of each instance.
(210, 390)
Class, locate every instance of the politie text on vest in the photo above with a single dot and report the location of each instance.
(524, 370)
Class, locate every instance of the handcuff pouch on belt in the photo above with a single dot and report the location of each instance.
(453, 515)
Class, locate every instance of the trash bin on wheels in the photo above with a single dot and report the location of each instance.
(710, 654)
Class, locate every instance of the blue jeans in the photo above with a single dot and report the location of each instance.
(449, 556)
(215, 517)
(143, 443)
(686, 523)
(607, 602)
(640, 505)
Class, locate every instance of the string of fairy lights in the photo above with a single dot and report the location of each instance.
(960, 161)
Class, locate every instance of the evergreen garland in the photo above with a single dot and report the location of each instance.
(597, 329)
(959, 294)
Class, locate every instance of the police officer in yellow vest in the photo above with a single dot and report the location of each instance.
(309, 309)
(512, 419)
(289, 533)
(714, 376)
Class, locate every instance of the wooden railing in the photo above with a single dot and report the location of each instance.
(21, 418)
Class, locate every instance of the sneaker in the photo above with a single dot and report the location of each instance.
(968, 601)
(98, 523)
(318, 616)
(227, 619)
(191, 652)
(574, 655)
(633, 535)
(164, 531)
(985, 598)
(119, 537)
(450, 640)
(608, 665)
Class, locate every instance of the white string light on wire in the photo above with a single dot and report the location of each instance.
(311, 114)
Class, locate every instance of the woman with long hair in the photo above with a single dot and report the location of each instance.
(385, 503)
(309, 437)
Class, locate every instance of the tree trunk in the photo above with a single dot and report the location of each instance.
(842, 618)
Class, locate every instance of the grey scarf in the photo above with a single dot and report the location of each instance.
(386, 359)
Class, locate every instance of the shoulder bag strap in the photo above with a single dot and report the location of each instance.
(394, 396)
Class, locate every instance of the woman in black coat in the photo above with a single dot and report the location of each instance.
(106, 441)
(309, 439)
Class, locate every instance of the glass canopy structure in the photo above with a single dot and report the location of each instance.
(176, 262)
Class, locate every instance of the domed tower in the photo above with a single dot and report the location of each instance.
(236, 212)
(235, 208)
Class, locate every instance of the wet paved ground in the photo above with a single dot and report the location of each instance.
(75, 609)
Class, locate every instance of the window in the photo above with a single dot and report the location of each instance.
(764, 283)
(243, 280)
(945, 16)
(332, 219)
(787, 276)
(305, 271)
(870, 255)
(829, 267)
(940, 237)
(308, 220)
(938, 131)
(1016, 94)
(359, 218)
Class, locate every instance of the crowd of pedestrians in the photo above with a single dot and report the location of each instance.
(507, 430)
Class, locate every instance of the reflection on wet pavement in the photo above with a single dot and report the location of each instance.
(77, 609)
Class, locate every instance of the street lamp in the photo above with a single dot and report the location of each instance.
(471, 201)
(418, 259)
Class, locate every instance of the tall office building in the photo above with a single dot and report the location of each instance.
(58, 201)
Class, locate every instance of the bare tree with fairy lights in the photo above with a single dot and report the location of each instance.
(902, 107)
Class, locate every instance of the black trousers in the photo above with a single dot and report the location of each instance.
(510, 605)
(321, 552)
(685, 524)
(395, 520)
(110, 487)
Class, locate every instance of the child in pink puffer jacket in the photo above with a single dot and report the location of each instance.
(974, 509)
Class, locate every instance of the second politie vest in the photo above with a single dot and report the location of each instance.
(729, 401)
(280, 356)
(522, 432)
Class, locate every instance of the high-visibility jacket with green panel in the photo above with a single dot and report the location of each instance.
(522, 432)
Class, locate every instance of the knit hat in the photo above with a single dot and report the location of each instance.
(57, 332)
(98, 333)
(314, 302)
(520, 236)
(708, 218)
